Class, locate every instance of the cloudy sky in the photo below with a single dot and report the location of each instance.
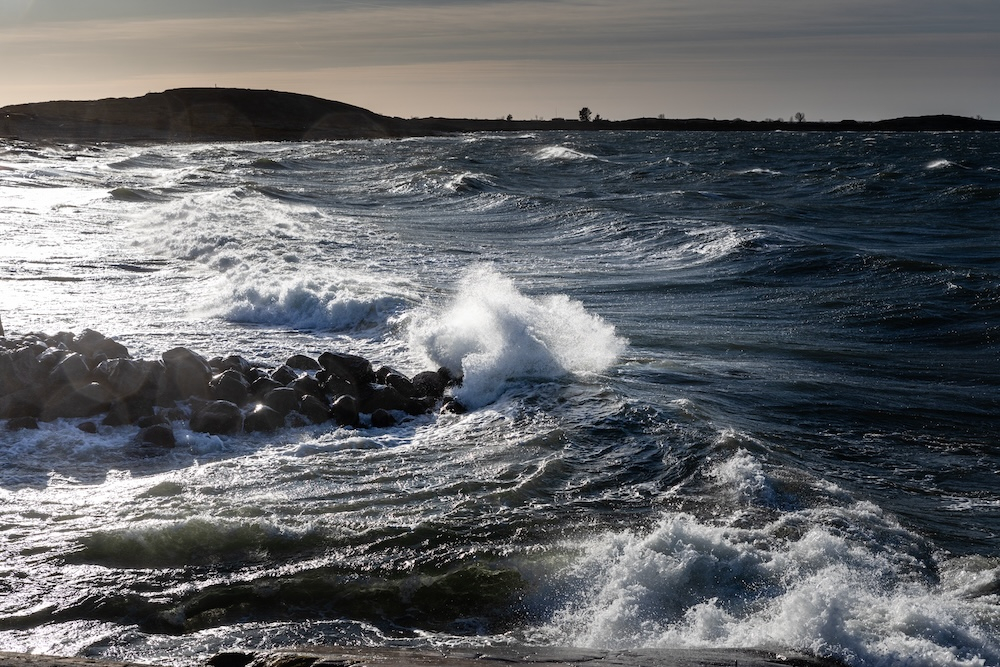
(755, 59)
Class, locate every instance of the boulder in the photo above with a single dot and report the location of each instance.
(93, 345)
(81, 401)
(71, 370)
(314, 409)
(24, 402)
(232, 362)
(186, 375)
(217, 418)
(345, 411)
(230, 385)
(260, 387)
(157, 435)
(262, 419)
(308, 386)
(348, 367)
(429, 383)
(382, 419)
(400, 383)
(127, 377)
(22, 423)
(87, 427)
(283, 400)
(284, 375)
(301, 362)
(387, 398)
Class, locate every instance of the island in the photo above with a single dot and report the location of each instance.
(236, 114)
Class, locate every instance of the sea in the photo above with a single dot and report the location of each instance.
(722, 389)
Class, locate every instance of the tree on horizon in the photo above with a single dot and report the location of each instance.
(585, 115)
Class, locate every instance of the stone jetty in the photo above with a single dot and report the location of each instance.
(93, 379)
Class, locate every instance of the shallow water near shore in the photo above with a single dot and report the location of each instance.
(727, 390)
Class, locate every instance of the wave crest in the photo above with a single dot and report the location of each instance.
(493, 334)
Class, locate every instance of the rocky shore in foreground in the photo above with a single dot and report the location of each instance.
(92, 378)
(235, 114)
(422, 657)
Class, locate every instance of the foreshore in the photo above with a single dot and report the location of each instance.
(332, 656)
(232, 114)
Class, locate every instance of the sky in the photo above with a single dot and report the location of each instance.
(752, 59)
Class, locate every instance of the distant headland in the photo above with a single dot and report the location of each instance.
(234, 114)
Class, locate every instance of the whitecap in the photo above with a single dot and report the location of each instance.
(493, 334)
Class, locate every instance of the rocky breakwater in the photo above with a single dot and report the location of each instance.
(92, 378)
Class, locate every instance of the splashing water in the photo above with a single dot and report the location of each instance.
(493, 334)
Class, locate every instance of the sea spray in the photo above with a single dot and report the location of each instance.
(494, 334)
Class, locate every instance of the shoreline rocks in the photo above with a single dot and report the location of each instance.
(94, 378)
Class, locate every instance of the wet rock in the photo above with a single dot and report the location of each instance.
(150, 420)
(345, 411)
(186, 375)
(22, 423)
(284, 375)
(217, 418)
(429, 383)
(308, 386)
(24, 402)
(232, 362)
(387, 398)
(72, 370)
(401, 383)
(83, 401)
(87, 427)
(261, 386)
(127, 377)
(334, 385)
(382, 419)
(348, 367)
(454, 406)
(158, 435)
(94, 345)
(314, 409)
(230, 385)
(283, 400)
(301, 362)
(263, 419)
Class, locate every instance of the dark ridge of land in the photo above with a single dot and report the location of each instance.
(235, 114)
(331, 656)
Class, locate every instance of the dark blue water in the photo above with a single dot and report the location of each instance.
(727, 389)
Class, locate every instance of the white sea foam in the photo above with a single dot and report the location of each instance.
(563, 153)
(817, 580)
(492, 333)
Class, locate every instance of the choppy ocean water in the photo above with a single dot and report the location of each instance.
(728, 390)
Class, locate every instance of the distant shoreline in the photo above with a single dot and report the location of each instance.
(235, 114)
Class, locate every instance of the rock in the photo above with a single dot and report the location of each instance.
(453, 406)
(230, 385)
(401, 383)
(263, 419)
(23, 402)
(186, 375)
(87, 427)
(232, 362)
(127, 377)
(260, 387)
(91, 344)
(382, 419)
(308, 386)
(22, 423)
(158, 435)
(217, 418)
(429, 383)
(345, 411)
(72, 370)
(334, 385)
(283, 400)
(301, 362)
(348, 367)
(284, 375)
(83, 401)
(314, 409)
(150, 420)
(387, 398)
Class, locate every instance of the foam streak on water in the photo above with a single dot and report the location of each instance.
(724, 390)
